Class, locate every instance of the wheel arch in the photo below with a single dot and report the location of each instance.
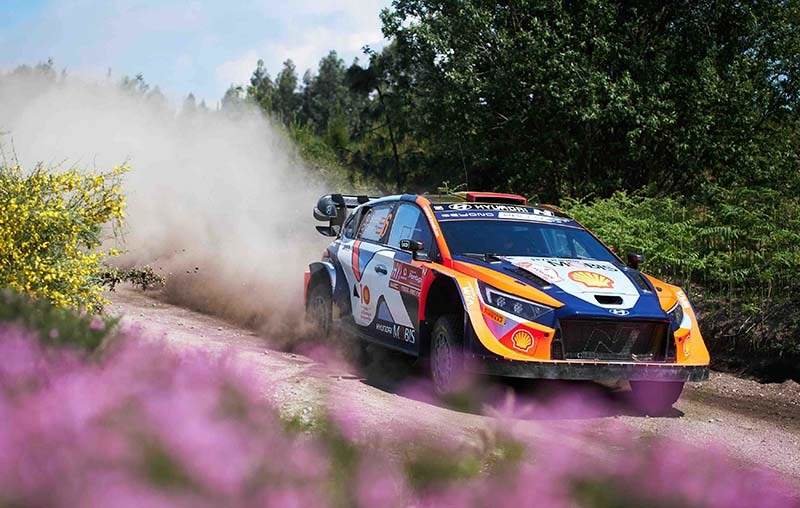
(441, 296)
(320, 272)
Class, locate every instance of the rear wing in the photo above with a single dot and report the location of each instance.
(332, 208)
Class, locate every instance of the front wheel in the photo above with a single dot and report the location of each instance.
(447, 355)
(319, 311)
(656, 397)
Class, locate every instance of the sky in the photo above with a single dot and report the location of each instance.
(200, 46)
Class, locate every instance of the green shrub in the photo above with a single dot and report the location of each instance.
(745, 242)
(55, 325)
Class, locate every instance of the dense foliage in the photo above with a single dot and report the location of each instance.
(565, 98)
(559, 99)
(51, 228)
(744, 241)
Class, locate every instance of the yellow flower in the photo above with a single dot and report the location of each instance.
(50, 224)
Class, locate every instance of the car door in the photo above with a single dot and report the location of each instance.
(398, 314)
(367, 274)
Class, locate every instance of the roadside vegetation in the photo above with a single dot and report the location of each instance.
(52, 225)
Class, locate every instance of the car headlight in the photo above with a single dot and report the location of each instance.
(676, 316)
(513, 305)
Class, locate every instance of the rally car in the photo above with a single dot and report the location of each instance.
(483, 281)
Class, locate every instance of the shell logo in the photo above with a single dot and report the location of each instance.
(522, 340)
(591, 279)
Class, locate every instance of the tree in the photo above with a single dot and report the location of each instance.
(328, 95)
(136, 85)
(286, 100)
(233, 99)
(261, 89)
(567, 98)
(189, 105)
(376, 79)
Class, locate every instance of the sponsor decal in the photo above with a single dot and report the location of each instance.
(529, 217)
(395, 331)
(500, 208)
(591, 279)
(599, 266)
(468, 292)
(365, 296)
(560, 262)
(619, 312)
(522, 340)
(407, 278)
(548, 274)
(467, 215)
(366, 314)
(494, 316)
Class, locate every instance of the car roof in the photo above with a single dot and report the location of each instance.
(450, 207)
(455, 199)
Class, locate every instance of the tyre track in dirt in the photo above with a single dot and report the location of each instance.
(758, 423)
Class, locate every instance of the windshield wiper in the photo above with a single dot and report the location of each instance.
(487, 256)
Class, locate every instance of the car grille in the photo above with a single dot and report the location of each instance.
(602, 340)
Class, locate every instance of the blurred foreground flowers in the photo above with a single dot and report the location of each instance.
(137, 424)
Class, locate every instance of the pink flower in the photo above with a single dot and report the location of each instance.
(97, 324)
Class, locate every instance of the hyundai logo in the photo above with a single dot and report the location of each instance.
(619, 312)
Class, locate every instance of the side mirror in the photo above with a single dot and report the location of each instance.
(414, 247)
(634, 260)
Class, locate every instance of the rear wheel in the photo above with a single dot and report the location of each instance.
(319, 310)
(656, 397)
(447, 354)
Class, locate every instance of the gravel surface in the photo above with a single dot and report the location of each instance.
(760, 423)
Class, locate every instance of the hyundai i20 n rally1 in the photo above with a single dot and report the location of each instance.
(483, 281)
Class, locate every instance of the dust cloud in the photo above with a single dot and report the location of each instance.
(218, 202)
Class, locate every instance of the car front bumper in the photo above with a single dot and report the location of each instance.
(595, 371)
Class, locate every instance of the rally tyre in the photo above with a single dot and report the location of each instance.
(655, 398)
(447, 354)
(319, 311)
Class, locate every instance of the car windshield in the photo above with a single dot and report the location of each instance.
(530, 239)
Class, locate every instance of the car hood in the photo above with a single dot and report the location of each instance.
(599, 283)
(586, 288)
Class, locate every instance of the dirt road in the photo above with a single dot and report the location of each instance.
(759, 423)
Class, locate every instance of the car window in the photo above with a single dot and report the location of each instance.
(349, 227)
(375, 222)
(410, 224)
(530, 239)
